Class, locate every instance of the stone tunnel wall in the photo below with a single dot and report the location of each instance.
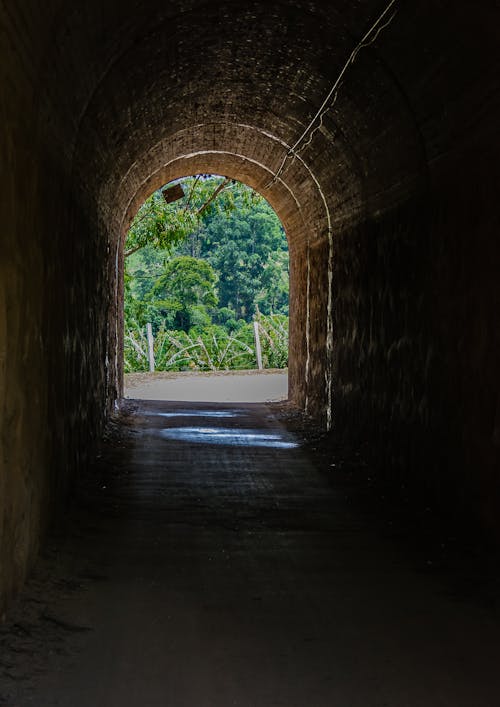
(417, 379)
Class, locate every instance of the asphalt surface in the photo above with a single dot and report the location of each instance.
(213, 564)
(227, 386)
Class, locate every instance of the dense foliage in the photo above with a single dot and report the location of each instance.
(201, 270)
(209, 348)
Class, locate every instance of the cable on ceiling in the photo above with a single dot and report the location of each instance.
(368, 39)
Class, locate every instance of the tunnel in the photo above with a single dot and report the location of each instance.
(372, 130)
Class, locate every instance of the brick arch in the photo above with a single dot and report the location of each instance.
(303, 225)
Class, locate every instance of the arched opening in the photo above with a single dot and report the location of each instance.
(206, 290)
(302, 209)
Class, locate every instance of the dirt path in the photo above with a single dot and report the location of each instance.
(229, 387)
(212, 564)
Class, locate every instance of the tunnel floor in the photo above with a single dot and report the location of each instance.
(211, 562)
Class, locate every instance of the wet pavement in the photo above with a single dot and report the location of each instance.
(214, 564)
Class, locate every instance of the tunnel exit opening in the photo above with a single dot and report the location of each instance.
(300, 200)
(206, 285)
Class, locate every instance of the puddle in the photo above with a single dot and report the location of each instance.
(198, 413)
(227, 436)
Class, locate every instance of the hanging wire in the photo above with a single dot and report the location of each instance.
(193, 187)
(369, 38)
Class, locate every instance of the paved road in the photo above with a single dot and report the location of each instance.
(247, 387)
(217, 566)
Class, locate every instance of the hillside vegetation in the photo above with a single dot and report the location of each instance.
(201, 270)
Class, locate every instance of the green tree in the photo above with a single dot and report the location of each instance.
(248, 249)
(224, 223)
(164, 225)
(185, 292)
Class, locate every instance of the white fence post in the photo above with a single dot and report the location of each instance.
(151, 355)
(258, 350)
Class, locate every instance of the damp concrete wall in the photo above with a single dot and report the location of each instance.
(390, 211)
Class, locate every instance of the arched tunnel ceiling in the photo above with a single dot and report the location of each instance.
(236, 78)
(209, 149)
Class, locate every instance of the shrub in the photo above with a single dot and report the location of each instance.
(208, 348)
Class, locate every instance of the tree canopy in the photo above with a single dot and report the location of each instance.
(163, 224)
(186, 292)
(218, 255)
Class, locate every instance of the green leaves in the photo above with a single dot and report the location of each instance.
(186, 288)
(209, 348)
(159, 224)
(200, 269)
(164, 226)
(243, 247)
